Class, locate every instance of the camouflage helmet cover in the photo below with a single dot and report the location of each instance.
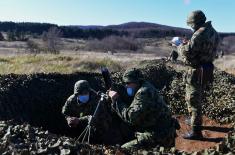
(196, 17)
(132, 75)
(81, 86)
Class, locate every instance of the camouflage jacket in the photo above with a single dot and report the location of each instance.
(147, 111)
(73, 108)
(201, 49)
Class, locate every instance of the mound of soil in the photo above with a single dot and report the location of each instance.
(213, 133)
(38, 99)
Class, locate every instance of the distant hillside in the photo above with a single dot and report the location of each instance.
(134, 29)
(144, 29)
(144, 25)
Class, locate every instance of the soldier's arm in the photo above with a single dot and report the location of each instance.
(136, 113)
(190, 50)
(70, 110)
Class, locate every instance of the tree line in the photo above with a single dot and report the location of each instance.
(20, 31)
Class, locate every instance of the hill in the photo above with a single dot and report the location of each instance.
(135, 29)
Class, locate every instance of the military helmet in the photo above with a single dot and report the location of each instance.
(81, 86)
(132, 76)
(196, 17)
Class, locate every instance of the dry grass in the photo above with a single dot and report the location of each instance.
(68, 62)
(14, 60)
(227, 63)
(65, 63)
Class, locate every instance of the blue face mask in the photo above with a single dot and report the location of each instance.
(130, 91)
(83, 98)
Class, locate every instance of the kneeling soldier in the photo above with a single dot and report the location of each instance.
(147, 113)
(79, 108)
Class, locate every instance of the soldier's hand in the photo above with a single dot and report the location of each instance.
(72, 121)
(185, 42)
(113, 95)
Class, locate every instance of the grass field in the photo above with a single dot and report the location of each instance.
(84, 61)
(14, 58)
(67, 62)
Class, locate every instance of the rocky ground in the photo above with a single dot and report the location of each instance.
(35, 101)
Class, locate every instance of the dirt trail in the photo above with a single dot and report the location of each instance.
(213, 134)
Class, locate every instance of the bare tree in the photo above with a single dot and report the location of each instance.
(1, 36)
(51, 40)
(33, 48)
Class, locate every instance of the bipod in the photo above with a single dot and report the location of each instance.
(85, 135)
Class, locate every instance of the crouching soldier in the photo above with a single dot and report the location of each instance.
(79, 108)
(147, 114)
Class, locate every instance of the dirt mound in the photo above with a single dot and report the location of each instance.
(213, 133)
(218, 101)
(37, 99)
(24, 139)
(18, 138)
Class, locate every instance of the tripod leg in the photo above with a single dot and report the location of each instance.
(83, 132)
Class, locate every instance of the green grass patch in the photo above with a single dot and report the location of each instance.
(49, 63)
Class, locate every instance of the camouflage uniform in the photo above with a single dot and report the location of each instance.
(174, 55)
(73, 108)
(147, 114)
(198, 54)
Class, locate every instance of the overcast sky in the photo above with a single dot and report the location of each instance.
(107, 12)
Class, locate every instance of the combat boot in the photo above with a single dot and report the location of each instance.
(195, 134)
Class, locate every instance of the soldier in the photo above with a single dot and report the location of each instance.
(199, 54)
(147, 113)
(81, 105)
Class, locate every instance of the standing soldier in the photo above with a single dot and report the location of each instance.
(147, 113)
(199, 54)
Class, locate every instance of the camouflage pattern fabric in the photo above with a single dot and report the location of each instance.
(201, 49)
(105, 124)
(199, 53)
(102, 121)
(80, 86)
(174, 55)
(73, 108)
(149, 116)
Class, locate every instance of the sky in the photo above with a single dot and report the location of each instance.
(109, 12)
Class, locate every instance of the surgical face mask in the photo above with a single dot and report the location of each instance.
(130, 91)
(83, 98)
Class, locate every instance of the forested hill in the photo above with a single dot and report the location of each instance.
(134, 29)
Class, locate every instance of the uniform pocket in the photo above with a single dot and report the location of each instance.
(192, 76)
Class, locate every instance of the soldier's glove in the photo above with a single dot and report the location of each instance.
(113, 95)
(72, 121)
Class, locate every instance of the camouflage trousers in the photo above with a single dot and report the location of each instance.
(151, 139)
(194, 92)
